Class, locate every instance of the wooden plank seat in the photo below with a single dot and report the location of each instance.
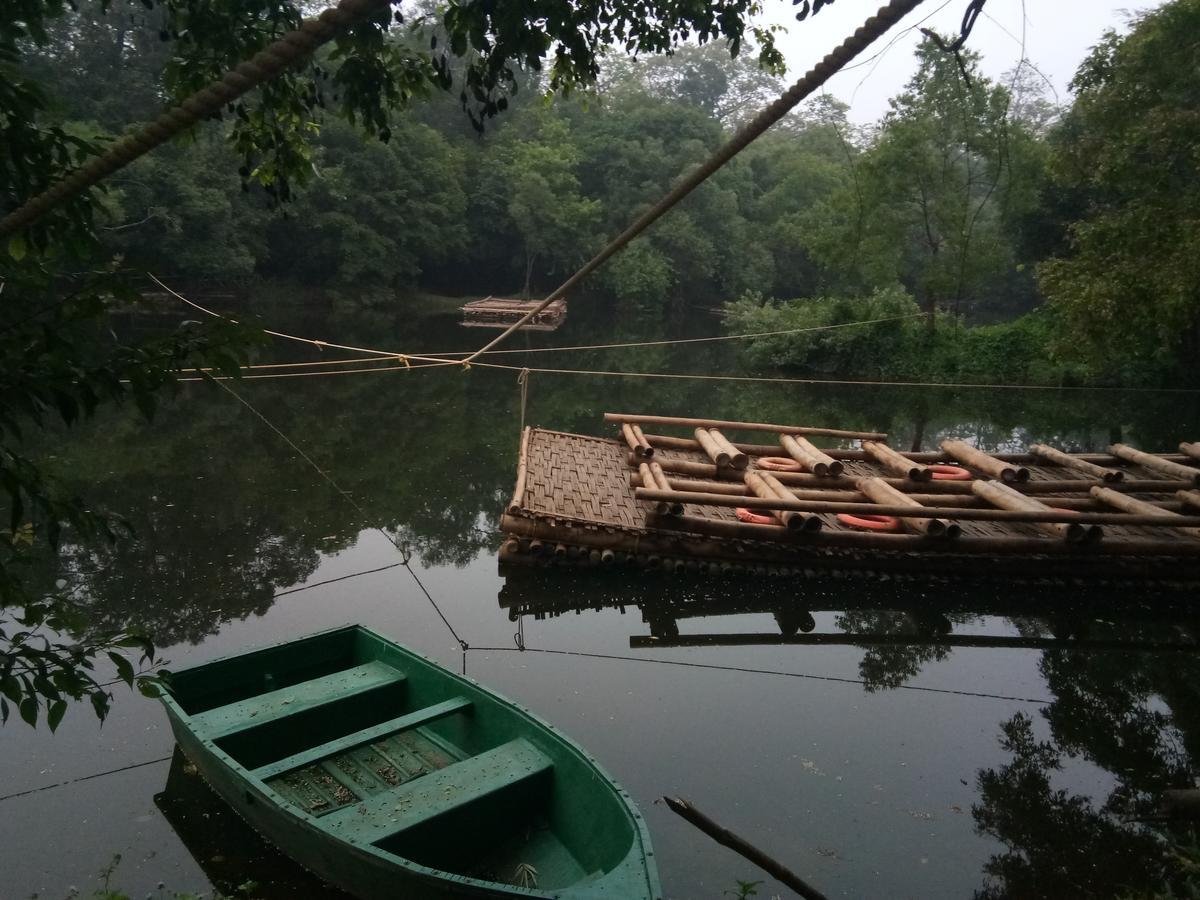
(272, 706)
(328, 749)
(457, 785)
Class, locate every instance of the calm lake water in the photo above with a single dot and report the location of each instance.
(879, 763)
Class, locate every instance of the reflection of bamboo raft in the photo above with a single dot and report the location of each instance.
(497, 312)
(591, 495)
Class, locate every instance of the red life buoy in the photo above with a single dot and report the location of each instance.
(870, 522)
(778, 464)
(944, 472)
(747, 515)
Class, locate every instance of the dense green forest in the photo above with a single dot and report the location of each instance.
(1044, 243)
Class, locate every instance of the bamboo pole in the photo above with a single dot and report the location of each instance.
(743, 426)
(895, 463)
(1044, 514)
(977, 459)
(791, 520)
(1190, 450)
(1007, 499)
(1175, 470)
(794, 520)
(1189, 498)
(737, 458)
(647, 450)
(1058, 458)
(1136, 507)
(802, 451)
(720, 457)
(727, 838)
(882, 492)
(661, 482)
(641, 450)
(806, 479)
(522, 471)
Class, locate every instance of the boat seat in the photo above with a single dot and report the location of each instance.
(272, 706)
(413, 719)
(443, 791)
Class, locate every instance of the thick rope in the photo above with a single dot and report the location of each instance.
(868, 33)
(269, 62)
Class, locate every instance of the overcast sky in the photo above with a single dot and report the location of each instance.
(1058, 34)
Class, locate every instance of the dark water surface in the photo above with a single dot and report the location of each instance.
(873, 766)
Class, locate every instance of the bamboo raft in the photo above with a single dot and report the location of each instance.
(497, 312)
(681, 504)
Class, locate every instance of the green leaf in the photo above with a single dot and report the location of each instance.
(100, 704)
(16, 247)
(149, 688)
(124, 667)
(29, 710)
(55, 713)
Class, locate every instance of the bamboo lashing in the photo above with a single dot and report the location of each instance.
(1058, 458)
(743, 426)
(977, 459)
(882, 492)
(719, 455)
(805, 479)
(1189, 498)
(737, 459)
(641, 449)
(1192, 450)
(1029, 515)
(1135, 506)
(802, 451)
(1006, 498)
(810, 524)
(894, 462)
(1150, 461)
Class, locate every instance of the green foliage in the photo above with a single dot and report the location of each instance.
(743, 890)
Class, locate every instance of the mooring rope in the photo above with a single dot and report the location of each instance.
(867, 33)
(265, 65)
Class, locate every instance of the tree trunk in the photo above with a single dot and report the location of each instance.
(530, 258)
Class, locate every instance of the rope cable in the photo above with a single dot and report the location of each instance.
(876, 26)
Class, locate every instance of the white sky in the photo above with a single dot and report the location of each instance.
(1058, 34)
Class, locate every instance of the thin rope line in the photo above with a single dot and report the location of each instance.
(349, 499)
(47, 787)
(806, 676)
(317, 584)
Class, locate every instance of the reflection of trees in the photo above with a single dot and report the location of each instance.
(884, 667)
(1134, 716)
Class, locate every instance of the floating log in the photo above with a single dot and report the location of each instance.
(1058, 458)
(803, 452)
(1136, 507)
(977, 459)
(522, 469)
(1189, 498)
(743, 426)
(1157, 463)
(1029, 515)
(792, 520)
(640, 448)
(894, 462)
(1007, 499)
(1190, 450)
(882, 492)
(737, 458)
(727, 838)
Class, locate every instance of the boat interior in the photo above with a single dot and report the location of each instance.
(382, 748)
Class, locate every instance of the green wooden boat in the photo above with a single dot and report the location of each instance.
(389, 776)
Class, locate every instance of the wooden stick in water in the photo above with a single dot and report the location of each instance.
(977, 459)
(1003, 496)
(1150, 461)
(895, 463)
(1135, 506)
(882, 492)
(803, 452)
(1058, 458)
(743, 426)
(727, 838)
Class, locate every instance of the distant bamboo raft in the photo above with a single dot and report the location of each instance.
(498, 312)
(680, 503)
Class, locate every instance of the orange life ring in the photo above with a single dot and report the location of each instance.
(944, 472)
(748, 515)
(870, 522)
(778, 464)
